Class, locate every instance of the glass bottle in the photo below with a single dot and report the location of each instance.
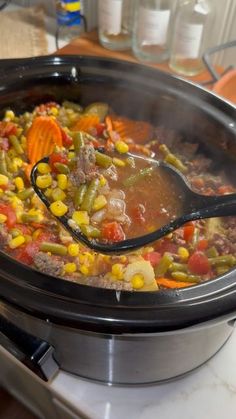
(189, 38)
(151, 33)
(115, 23)
(69, 22)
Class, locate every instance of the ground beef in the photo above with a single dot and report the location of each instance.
(107, 283)
(85, 166)
(3, 236)
(50, 265)
(223, 244)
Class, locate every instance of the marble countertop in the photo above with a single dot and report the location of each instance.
(208, 392)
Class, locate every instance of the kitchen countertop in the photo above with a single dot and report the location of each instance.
(208, 392)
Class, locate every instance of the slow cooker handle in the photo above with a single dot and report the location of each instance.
(33, 352)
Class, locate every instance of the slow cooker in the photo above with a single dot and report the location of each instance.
(117, 337)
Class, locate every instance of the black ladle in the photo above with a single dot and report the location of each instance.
(195, 207)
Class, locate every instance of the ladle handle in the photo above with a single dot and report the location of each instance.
(216, 206)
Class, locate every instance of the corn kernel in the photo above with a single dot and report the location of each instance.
(44, 181)
(16, 242)
(137, 281)
(58, 194)
(70, 268)
(17, 161)
(183, 253)
(62, 181)
(16, 202)
(36, 233)
(48, 192)
(43, 168)
(3, 218)
(3, 180)
(54, 111)
(19, 183)
(99, 202)
(58, 208)
(81, 217)
(82, 258)
(123, 259)
(121, 147)
(84, 270)
(106, 258)
(9, 115)
(71, 155)
(73, 249)
(102, 181)
(1, 192)
(117, 271)
(118, 162)
(89, 257)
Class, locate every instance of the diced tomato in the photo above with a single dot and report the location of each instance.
(198, 263)
(66, 139)
(10, 214)
(188, 232)
(25, 229)
(202, 244)
(153, 257)
(99, 129)
(26, 254)
(7, 129)
(226, 189)
(113, 232)
(57, 158)
(46, 236)
(137, 213)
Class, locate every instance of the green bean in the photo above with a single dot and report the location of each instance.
(164, 264)
(54, 248)
(16, 144)
(72, 163)
(184, 277)
(179, 267)
(174, 161)
(3, 165)
(90, 231)
(223, 260)
(9, 164)
(30, 218)
(222, 269)
(103, 160)
(164, 149)
(25, 194)
(90, 195)
(72, 105)
(15, 232)
(78, 140)
(130, 181)
(79, 195)
(212, 252)
(62, 168)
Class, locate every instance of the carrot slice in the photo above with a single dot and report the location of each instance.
(170, 283)
(86, 123)
(139, 131)
(42, 137)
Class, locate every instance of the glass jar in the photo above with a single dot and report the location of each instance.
(190, 35)
(151, 34)
(115, 23)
